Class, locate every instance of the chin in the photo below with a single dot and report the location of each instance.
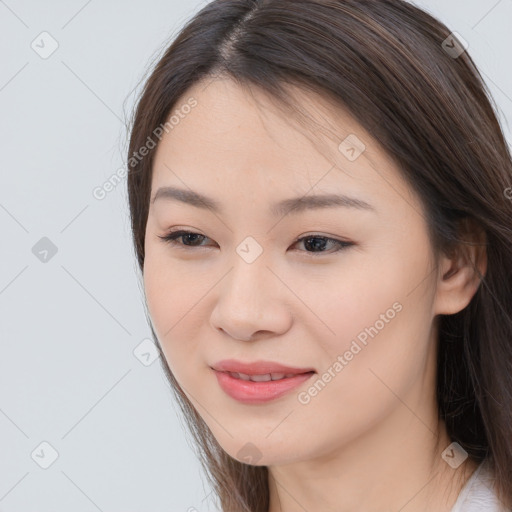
(262, 453)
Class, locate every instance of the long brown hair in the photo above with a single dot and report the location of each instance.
(409, 83)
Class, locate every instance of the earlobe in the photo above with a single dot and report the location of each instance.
(461, 273)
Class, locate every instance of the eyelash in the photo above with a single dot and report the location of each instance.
(172, 236)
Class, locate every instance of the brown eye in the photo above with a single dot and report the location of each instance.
(189, 238)
(317, 243)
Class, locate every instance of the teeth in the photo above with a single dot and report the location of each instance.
(261, 378)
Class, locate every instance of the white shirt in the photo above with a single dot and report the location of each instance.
(478, 493)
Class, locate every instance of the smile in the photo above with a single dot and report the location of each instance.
(259, 388)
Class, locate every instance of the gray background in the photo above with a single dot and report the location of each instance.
(71, 326)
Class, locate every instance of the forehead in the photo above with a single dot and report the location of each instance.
(235, 142)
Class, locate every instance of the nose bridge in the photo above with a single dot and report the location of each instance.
(249, 274)
(248, 298)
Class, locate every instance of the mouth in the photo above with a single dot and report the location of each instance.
(258, 368)
(258, 382)
(265, 377)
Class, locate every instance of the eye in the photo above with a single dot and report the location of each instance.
(317, 243)
(189, 236)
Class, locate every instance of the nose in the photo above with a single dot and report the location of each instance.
(251, 302)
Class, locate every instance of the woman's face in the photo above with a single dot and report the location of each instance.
(243, 288)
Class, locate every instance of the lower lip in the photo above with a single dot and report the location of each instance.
(257, 392)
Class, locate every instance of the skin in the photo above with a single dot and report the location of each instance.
(370, 439)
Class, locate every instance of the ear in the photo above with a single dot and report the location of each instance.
(461, 271)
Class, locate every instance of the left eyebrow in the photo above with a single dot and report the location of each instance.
(284, 207)
(315, 202)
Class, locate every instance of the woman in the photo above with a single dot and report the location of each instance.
(320, 210)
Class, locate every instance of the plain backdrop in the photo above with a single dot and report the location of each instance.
(87, 421)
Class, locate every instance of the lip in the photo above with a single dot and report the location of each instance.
(257, 367)
(258, 392)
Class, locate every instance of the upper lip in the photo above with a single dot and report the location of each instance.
(257, 367)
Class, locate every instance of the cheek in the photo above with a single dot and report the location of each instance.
(173, 301)
(377, 313)
(369, 362)
(355, 297)
(381, 316)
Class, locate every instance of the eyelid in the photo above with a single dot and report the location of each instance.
(173, 235)
(176, 233)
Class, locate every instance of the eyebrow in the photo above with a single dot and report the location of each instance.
(284, 207)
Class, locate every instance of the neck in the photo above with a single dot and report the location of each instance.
(397, 466)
